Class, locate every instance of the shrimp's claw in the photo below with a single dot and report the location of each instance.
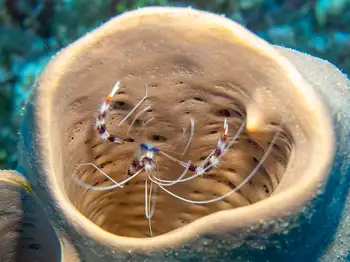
(100, 123)
(224, 133)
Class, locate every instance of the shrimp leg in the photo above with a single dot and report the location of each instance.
(252, 173)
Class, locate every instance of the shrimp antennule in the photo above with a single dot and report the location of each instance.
(136, 117)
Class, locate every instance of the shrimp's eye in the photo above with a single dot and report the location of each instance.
(155, 149)
(144, 146)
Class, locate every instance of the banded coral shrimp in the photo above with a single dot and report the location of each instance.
(144, 158)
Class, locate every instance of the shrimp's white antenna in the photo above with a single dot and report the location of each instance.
(137, 116)
(170, 182)
(150, 202)
(136, 106)
(98, 188)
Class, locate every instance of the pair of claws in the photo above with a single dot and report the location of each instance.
(144, 159)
